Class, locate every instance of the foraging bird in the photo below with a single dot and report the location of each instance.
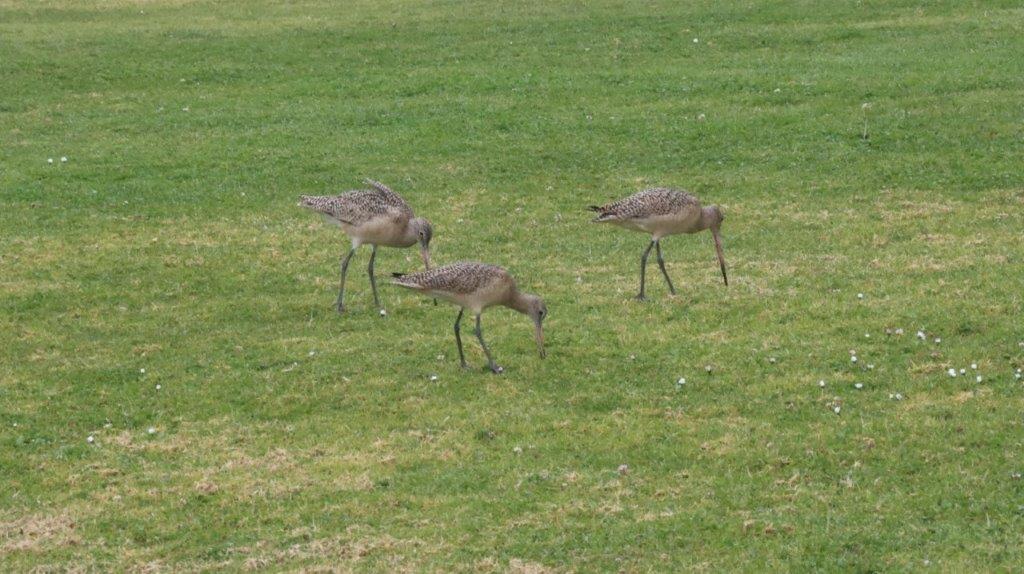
(661, 212)
(477, 286)
(377, 216)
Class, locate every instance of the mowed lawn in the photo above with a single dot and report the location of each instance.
(161, 292)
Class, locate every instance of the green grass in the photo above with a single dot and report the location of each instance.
(288, 437)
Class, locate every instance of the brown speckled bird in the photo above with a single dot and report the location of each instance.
(477, 286)
(662, 212)
(377, 216)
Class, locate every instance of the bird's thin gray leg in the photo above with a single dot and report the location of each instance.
(340, 304)
(480, 337)
(661, 263)
(458, 338)
(373, 281)
(643, 271)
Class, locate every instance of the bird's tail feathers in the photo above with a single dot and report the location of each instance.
(400, 280)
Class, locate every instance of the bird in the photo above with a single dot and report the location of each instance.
(477, 286)
(662, 212)
(377, 216)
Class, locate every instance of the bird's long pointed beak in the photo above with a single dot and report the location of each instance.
(721, 256)
(425, 254)
(538, 334)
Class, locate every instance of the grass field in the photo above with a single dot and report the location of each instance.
(163, 278)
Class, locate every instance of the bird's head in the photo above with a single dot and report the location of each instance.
(424, 233)
(537, 311)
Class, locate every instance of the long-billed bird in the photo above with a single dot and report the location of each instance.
(477, 286)
(661, 212)
(376, 216)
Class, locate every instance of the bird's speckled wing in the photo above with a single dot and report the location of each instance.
(359, 206)
(458, 278)
(648, 203)
(390, 197)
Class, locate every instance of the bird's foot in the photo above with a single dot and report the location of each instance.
(340, 308)
(496, 369)
(640, 297)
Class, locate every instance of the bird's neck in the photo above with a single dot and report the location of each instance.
(409, 235)
(520, 302)
(706, 218)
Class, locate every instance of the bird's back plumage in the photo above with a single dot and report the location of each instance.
(361, 205)
(457, 278)
(654, 202)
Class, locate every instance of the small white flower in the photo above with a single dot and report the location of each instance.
(920, 335)
(143, 371)
(311, 353)
(151, 430)
(771, 360)
(701, 116)
(892, 396)
(632, 357)
(853, 359)
(440, 357)
(974, 366)
(185, 109)
(777, 90)
(963, 371)
(681, 382)
(433, 378)
(49, 160)
(707, 368)
(860, 295)
(623, 469)
(63, 159)
(696, 40)
(89, 439)
(836, 409)
(821, 383)
(899, 331)
(1016, 375)
(383, 313)
(952, 372)
(870, 367)
(158, 387)
(867, 335)
(858, 386)
(108, 425)
(899, 397)
(978, 378)
(518, 450)
(937, 340)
